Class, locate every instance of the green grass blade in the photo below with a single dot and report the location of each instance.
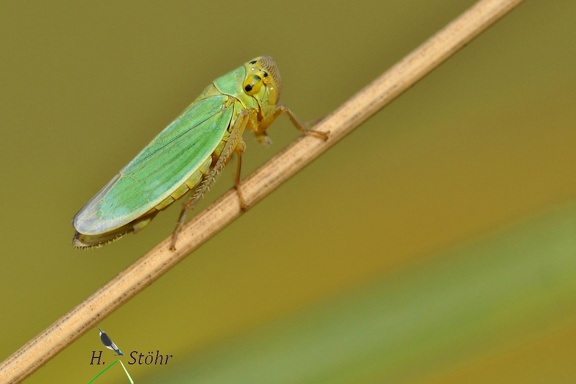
(102, 372)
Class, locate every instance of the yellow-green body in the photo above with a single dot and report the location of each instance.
(187, 155)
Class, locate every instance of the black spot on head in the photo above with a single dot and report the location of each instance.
(265, 74)
(253, 62)
(248, 88)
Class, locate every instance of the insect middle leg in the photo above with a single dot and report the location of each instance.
(239, 151)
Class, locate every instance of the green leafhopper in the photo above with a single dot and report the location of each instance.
(187, 155)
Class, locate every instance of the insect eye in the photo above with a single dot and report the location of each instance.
(252, 84)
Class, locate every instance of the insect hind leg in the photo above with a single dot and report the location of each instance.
(234, 143)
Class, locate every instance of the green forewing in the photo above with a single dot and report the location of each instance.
(165, 164)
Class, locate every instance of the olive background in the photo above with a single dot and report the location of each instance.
(485, 142)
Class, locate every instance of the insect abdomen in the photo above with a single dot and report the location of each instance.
(189, 184)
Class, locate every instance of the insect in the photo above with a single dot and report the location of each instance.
(188, 154)
(108, 343)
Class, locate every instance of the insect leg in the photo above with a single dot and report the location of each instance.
(231, 145)
(269, 118)
(239, 151)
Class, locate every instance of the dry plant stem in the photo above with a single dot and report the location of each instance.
(148, 268)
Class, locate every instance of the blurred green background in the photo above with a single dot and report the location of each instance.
(432, 245)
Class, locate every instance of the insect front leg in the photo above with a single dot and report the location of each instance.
(269, 119)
